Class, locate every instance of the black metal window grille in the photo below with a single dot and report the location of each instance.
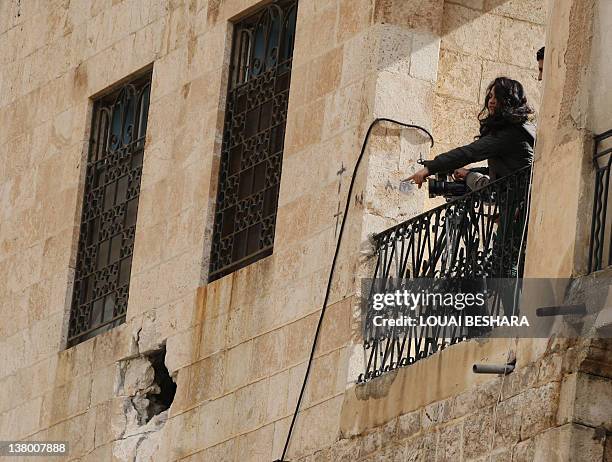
(253, 138)
(110, 205)
(601, 235)
(476, 236)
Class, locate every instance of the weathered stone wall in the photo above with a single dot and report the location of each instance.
(237, 348)
(573, 108)
(554, 409)
(482, 40)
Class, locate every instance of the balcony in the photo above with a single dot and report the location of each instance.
(476, 236)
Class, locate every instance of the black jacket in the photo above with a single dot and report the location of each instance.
(507, 150)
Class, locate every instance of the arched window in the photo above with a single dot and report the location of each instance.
(110, 205)
(253, 138)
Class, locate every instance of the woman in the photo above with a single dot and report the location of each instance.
(506, 138)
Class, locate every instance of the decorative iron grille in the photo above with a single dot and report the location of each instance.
(601, 237)
(477, 236)
(110, 205)
(253, 138)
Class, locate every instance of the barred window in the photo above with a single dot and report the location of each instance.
(110, 205)
(253, 138)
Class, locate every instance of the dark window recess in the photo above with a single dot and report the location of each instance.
(253, 137)
(108, 217)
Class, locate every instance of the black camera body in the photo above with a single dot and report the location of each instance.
(440, 186)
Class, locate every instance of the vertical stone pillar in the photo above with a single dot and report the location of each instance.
(400, 51)
(559, 226)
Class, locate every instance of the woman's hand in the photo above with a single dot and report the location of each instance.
(419, 177)
(460, 173)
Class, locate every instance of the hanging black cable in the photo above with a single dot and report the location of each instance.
(333, 267)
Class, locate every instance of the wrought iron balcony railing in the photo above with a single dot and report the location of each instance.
(479, 235)
(601, 235)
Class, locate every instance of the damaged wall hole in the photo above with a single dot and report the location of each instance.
(145, 391)
(162, 393)
(147, 386)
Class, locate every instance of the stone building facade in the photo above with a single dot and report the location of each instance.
(237, 348)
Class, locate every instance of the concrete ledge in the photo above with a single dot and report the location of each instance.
(445, 374)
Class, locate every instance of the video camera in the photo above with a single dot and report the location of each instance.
(440, 186)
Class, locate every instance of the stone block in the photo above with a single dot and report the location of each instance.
(238, 366)
(184, 435)
(296, 379)
(408, 424)
(460, 27)
(593, 401)
(527, 10)
(292, 221)
(360, 55)
(526, 40)
(450, 442)
(218, 419)
(477, 433)
(103, 432)
(551, 368)
(324, 74)
(392, 48)
(24, 420)
(224, 452)
(110, 346)
(421, 447)
(336, 329)
(306, 125)
(206, 378)
(180, 350)
(65, 401)
(322, 384)
(403, 98)
(353, 17)
(268, 352)
(316, 428)
(76, 361)
(103, 384)
(212, 335)
(316, 33)
(508, 417)
(345, 450)
(81, 431)
(256, 445)
(521, 379)
(251, 406)
(346, 108)
(44, 338)
(424, 15)
(391, 453)
(542, 404)
(424, 59)
(279, 388)
(459, 76)
(301, 334)
(569, 442)
(524, 451)
(239, 325)
(28, 271)
(473, 4)
(436, 413)
(455, 122)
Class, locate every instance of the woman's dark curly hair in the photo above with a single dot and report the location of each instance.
(512, 107)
